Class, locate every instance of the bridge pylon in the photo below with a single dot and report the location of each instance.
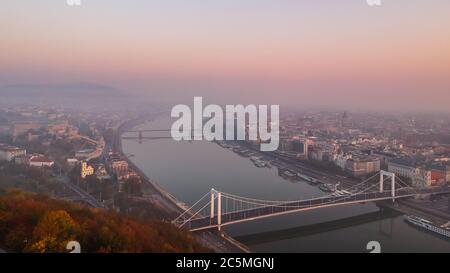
(390, 175)
(216, 211)
(213, 198)
(219, 210)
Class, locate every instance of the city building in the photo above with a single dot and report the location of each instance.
(439, 174)
(410, 169)
(32, 136)
(58, 127)
(22, 160)
(124, 175)
(321, 152)
(362, 166)
(437, 177)
(72, 131)
(447, 173)
(86, 170)
(8, 153)
(83, 154)
(119, 165)
(402, 167)
(21, 127)
(340, 160)
(102, 173)
(384, 157)
(41, 161)
(286, 145)
(422, 179)
(300, 146)
(72, 162)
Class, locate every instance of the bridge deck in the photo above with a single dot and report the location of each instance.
(202, 223)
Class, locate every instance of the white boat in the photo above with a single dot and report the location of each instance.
(314, 181)
(304, 177)
(289, 174)
(259, 164)
(327, 187)
(428, 225)
(308, 179)
(254, 158)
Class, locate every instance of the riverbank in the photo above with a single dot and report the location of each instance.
(405, 206)
(409, 207)
(218, 241)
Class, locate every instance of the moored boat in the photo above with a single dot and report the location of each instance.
(427, 225)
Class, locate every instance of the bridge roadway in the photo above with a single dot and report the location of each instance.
(147, 138)
(154, 130)
(203, 223)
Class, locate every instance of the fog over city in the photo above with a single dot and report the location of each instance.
(308, 54)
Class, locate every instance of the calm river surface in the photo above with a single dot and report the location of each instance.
(190, 169)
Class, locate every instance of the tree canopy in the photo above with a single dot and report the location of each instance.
(36, 223)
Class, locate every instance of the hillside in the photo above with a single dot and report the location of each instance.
(36, 223)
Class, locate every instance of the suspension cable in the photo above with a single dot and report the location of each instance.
(189, 209)
(195, 214)
(277, 202)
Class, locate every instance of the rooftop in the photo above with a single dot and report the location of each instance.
(9, 148)
(41, 159)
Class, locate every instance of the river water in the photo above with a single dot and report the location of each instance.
(188, 170)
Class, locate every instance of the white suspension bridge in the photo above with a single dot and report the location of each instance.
(217, 209)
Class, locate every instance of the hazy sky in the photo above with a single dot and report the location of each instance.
(301, 52)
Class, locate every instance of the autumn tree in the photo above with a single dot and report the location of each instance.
(53, 232)
(38, 223)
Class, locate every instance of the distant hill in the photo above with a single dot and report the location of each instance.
(76, 89)
(81, 95)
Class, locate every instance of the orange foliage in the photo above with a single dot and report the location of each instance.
(37, 223)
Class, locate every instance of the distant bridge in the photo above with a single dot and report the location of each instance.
(222, 209)
(88, 139)
(141, 136)
(147, 138)
(147, 130)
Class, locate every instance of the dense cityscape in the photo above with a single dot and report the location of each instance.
(222, 136)
(77, 157)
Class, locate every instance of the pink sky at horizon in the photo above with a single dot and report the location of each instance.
(282, 51)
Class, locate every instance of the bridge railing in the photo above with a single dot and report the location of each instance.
(233, 208)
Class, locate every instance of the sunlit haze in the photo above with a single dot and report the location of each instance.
(342, 54)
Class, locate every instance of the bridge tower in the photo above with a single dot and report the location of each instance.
(213, 213)
(219, 210)
(140, 137)
(213, 198)
(384, 174)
